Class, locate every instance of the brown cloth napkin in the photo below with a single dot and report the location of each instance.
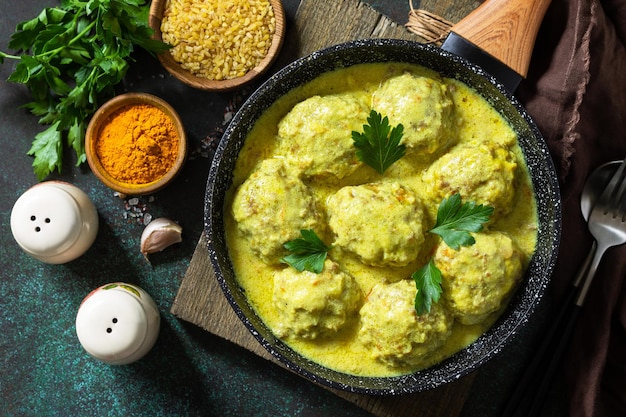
(576, 93)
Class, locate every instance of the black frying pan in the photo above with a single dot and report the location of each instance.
(447, 64)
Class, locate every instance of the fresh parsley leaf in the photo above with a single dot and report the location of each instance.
(428, 283)
(71, 58)
(47, 150)
(455, 221)
(307, 253)
(379, 145)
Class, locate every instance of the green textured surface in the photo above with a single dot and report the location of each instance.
(189, 372)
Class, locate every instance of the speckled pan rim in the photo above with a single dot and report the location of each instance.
(541, 169)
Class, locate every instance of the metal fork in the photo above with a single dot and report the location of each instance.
(608, 226)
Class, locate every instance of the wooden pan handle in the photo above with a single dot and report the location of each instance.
(506, 29)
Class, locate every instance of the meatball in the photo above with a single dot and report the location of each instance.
(478, 279)
(393, 331)
(423, 106)
(313, 305)
(482, 174)
(271, 207)
(316, 135)
(381, 223)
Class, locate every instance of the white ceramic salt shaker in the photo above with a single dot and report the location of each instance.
(118, 323)
(54, 222)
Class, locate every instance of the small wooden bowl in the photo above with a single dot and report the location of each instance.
(156, 15)
(100, 118)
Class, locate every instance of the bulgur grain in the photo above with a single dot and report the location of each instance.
(218, 39)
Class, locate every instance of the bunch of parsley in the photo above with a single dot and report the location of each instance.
(71, 58)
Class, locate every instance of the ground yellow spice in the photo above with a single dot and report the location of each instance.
(138, 144)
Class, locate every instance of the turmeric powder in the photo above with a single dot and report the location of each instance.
(138, 144)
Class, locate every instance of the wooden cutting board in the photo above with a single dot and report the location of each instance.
(321, 23)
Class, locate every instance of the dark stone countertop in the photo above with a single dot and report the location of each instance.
(189, 372)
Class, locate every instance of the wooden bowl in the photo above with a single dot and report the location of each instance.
(93, 132)
(173, 67)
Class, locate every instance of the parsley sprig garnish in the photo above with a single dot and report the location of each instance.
(428, 284)
(455, 221)
(379, 145)
(306, 253)
(73, 56)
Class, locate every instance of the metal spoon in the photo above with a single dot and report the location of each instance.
(529, 396)
(596, 182)
(594, 186)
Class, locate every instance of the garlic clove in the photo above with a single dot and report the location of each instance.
(159, 234)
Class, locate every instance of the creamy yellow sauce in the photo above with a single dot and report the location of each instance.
(476, 122)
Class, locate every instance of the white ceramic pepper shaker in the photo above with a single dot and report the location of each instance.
(54, 222)
(118, 323)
